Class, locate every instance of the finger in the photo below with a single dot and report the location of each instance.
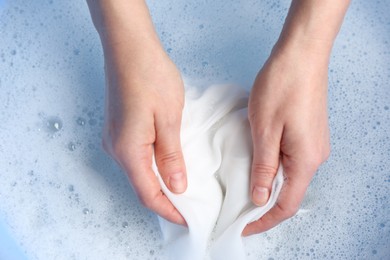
(168, 153)
(163, 207)
(286, 206)
(153, 198)
(147, 186)
(265, 164)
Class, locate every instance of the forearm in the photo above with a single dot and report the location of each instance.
(312, 26)
(126, 30)
(144, 102)
(119, 21)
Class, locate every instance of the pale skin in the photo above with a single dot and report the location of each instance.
(287, 105)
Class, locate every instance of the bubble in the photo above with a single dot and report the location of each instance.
(71, 188)
(71, 146)
(54, 124)
(81, 121)
(191, 40)
(86, 211)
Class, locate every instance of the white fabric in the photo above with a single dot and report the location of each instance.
(217, 147)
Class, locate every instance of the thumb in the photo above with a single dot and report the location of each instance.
(169, 156)
(266, 152)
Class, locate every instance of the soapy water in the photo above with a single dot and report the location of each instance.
(61, 197)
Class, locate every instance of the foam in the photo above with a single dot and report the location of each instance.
(51, 65)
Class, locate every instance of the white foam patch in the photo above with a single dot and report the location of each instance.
(64, 201)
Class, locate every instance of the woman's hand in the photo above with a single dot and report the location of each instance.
(144, 103)
(143, 118)
(289, 123)
(288, 108)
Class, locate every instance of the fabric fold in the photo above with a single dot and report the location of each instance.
(217, 148)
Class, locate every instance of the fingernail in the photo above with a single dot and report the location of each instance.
(176, 181)
(260, 195)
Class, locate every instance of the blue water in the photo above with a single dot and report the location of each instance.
(9, 249)
(61, 197)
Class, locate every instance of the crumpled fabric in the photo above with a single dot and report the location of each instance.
(217, 148)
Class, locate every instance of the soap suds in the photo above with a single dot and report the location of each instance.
(51, 64)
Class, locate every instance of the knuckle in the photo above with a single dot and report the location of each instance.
(121, 150)
(169, 158)
(263, 171)
(149, 200)
(287, 211)
(261, 130)
(315, 159)
(316, 156)
(172, 119)
(314, 162)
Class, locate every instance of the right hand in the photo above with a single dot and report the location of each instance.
(289, 123)
(143, 109)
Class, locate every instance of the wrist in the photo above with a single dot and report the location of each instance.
(300, 52)
(138, 63)
(296, 63)
(297, 39)
(311, 27)
(125, 27)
